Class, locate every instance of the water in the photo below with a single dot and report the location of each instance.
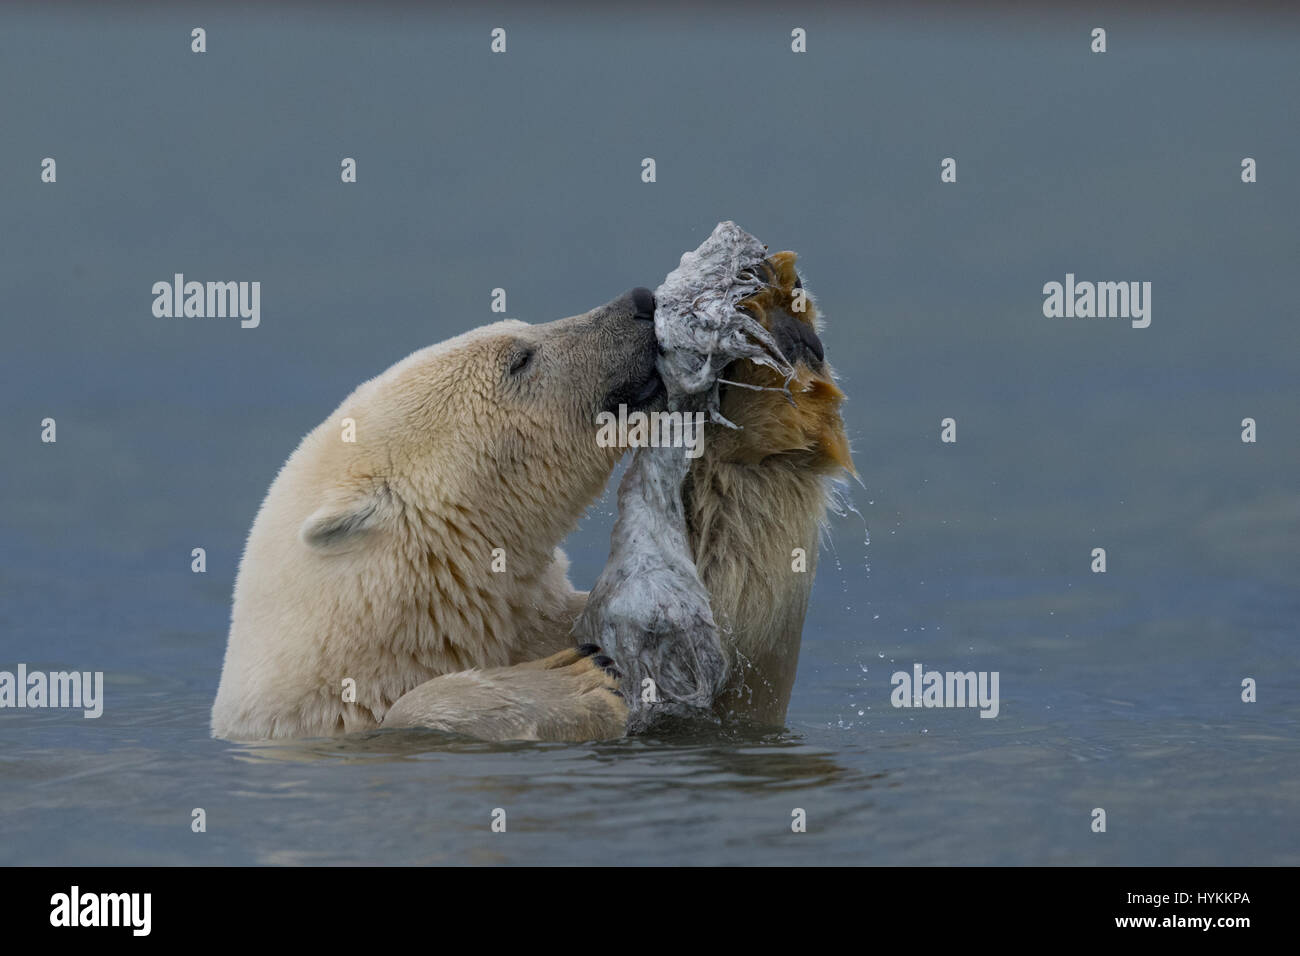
(1118, 690)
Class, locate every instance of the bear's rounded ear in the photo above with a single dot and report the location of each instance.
(345, 524)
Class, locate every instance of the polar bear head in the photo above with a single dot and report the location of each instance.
(499, 421)
(414, 531)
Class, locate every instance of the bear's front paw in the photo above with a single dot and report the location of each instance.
(564, 658)
(567, 658)
(804, 425)
(573, 695)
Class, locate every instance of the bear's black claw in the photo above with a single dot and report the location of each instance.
(798, 341)
(761, 271)
(606, 663)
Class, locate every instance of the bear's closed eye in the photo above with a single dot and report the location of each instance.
(519, 361)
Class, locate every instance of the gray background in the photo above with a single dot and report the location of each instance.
(523, 171)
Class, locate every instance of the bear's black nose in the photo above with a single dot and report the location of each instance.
(644, 300)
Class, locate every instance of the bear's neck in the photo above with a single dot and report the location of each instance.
(484, 599)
